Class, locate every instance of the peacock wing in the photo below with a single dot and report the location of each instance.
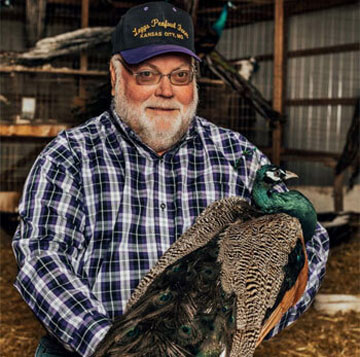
(260, 265)
(179, 308)
(208, 224)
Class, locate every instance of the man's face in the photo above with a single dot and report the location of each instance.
(161, 113)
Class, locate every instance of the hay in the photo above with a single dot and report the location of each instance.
(19, 329)
(319, 335)
(313, 335)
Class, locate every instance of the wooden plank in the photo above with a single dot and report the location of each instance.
(300, 7)
(9, 201)
(327, 159)
(278, 85)
(46, 130)
(52, 70)
(321, 101)
(348, 47)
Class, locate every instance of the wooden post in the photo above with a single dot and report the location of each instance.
(83, 55)
(194, 10)
(278, 93)
(338, 192)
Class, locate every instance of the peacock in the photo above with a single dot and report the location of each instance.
(225, 282)
(207, 37)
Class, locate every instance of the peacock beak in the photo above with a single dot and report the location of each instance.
(289, 175)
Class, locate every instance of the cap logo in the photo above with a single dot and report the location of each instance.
(142, 31)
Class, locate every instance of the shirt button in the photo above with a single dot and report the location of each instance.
(163, 206)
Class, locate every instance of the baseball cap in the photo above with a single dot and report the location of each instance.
(152, 29)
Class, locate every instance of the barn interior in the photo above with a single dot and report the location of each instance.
(297, 59)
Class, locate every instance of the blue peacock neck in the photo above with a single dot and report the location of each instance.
(262, 196)
(219, 25)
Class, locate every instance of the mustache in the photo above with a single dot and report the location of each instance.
(162, 105)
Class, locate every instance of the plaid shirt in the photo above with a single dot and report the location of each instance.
(99, 208)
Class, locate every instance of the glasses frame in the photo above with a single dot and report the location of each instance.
(136, 75)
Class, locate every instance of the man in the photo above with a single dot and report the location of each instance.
(105, 200)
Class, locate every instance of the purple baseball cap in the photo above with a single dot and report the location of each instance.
(152, 29)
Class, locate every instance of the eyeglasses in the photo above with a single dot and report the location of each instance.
(179, 77)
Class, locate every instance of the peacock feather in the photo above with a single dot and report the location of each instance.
(222, 285)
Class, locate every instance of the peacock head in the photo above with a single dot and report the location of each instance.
(271, 175)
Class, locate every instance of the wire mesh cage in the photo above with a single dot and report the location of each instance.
(17, 157)
(321, 73)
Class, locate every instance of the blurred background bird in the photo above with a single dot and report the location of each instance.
(225, 283)
(246, 67)
(207, 37)
(350, 157)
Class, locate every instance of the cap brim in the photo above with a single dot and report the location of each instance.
(140, 54)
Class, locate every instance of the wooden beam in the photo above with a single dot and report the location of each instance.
(278, 85)
(326, 158)
(321, 101)
(300, 7)
(9, 201)
(338, 193)
(347, 47)
(43, 131)
(84, 13)
(51, 70)
(194, 11)
(83, 54)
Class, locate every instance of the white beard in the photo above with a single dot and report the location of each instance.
(150, 128)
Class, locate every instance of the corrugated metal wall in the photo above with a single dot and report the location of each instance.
(252, 40)
(309, 127)
(335, 75)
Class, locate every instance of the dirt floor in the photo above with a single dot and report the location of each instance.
(313, 335)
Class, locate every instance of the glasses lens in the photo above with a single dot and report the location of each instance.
(181, 77)
(147, 77)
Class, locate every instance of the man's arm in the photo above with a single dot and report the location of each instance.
(48, 245)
